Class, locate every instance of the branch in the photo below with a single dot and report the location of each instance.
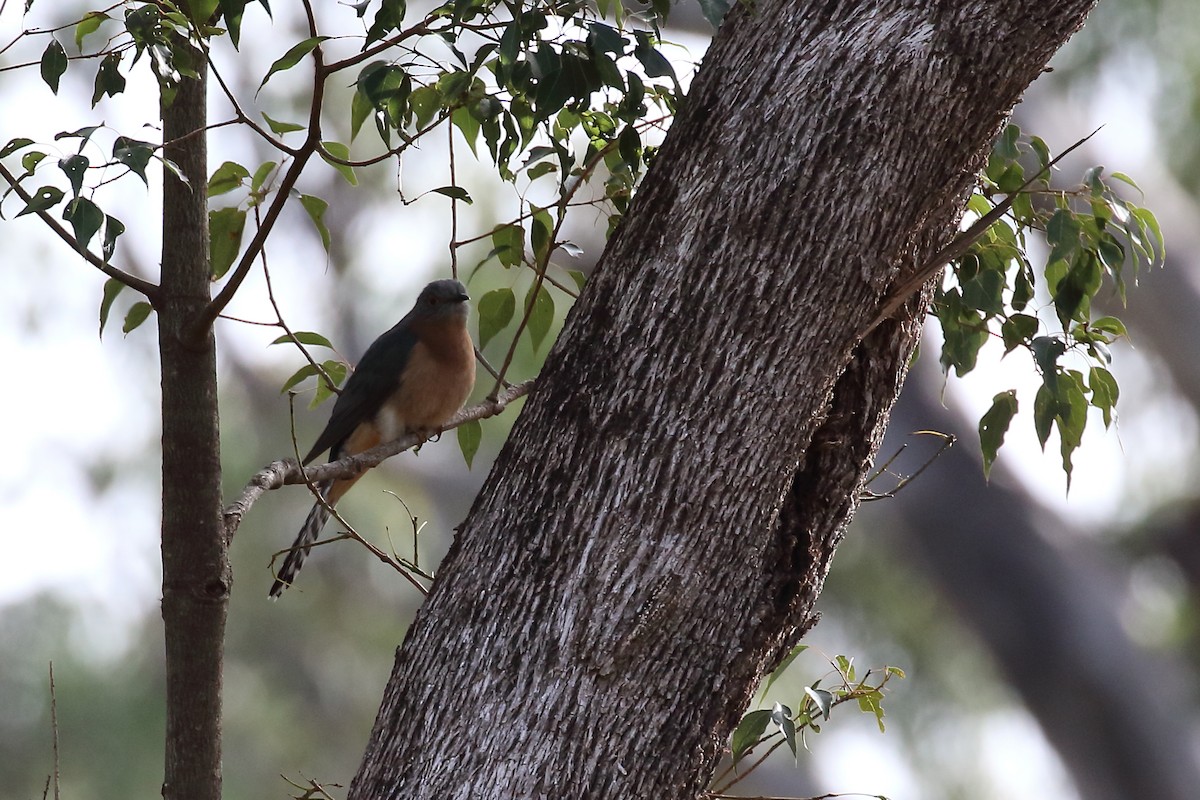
(899, 295)
(238, 275)
(287, 471)
(147, 288)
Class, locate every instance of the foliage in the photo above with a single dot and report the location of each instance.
(1096, 242)
(786, 723)
(556, 98)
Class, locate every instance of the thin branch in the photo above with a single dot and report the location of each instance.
(420, 29)
(899, 295)
(147, 288)
(280, 323)
(54, 730)
(453, 205)
(287, 472)
(350, 533)
(242, 116)
(238, 275)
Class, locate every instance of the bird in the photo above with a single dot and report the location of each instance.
(412, 379)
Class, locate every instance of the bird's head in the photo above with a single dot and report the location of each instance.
(444, 299)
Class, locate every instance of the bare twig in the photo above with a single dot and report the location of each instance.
(54, 730)
(287, 472)
(948, 440)
(351, 533)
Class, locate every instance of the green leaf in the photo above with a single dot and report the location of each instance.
(308, 370)
(304, 337)
(872, 703)
(292, 57)
(496, 309)
(260, 175)
(469, 436)
(83, 134)
(134, 154)
(1043, 413)
(75, 167)
(1071, 418)
(54, 64)
(994, 425)
(336, 370)
(822, 698)
(1105, 392)
(544, 168)
(113, 228)
(454, 193)
(782, 716)
(225, 228)
(316, 208)
(85, 218)
(387, 19)
(508, 244)
(279, 127)
(749, 732)
(30, 160)
(14, 145)
(45, 197)
(138, 313)
(1046, 351)
(1110, 325)
(1062, 233)
(654, 62)
(467, 125)
(425, 103)
(360, 108)
(112, 288)
(109, 80)
(541, 233)
(1016, 330)
(1121, 176)
(339, 150)
(1148, 221)
(226, 178)
(87, 26)
(985, 292)
(541, 314)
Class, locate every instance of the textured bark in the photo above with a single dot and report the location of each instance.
(657, 528)
(196, 575)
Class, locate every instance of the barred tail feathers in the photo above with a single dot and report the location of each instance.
(309, 533)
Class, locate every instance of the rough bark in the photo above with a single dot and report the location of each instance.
(196, 574)
(657, 528)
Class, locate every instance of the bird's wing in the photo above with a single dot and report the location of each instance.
(372, 383)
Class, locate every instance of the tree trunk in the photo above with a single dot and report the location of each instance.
(660, 522)
(196, 575)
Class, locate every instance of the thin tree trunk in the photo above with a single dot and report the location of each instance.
(196, 575)
(659, 524)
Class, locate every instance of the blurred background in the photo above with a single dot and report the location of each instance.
(1050, 640)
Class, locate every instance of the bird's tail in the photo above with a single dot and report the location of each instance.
(304, 540)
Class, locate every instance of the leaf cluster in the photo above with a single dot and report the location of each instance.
(786, 724)
(1096, 241)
